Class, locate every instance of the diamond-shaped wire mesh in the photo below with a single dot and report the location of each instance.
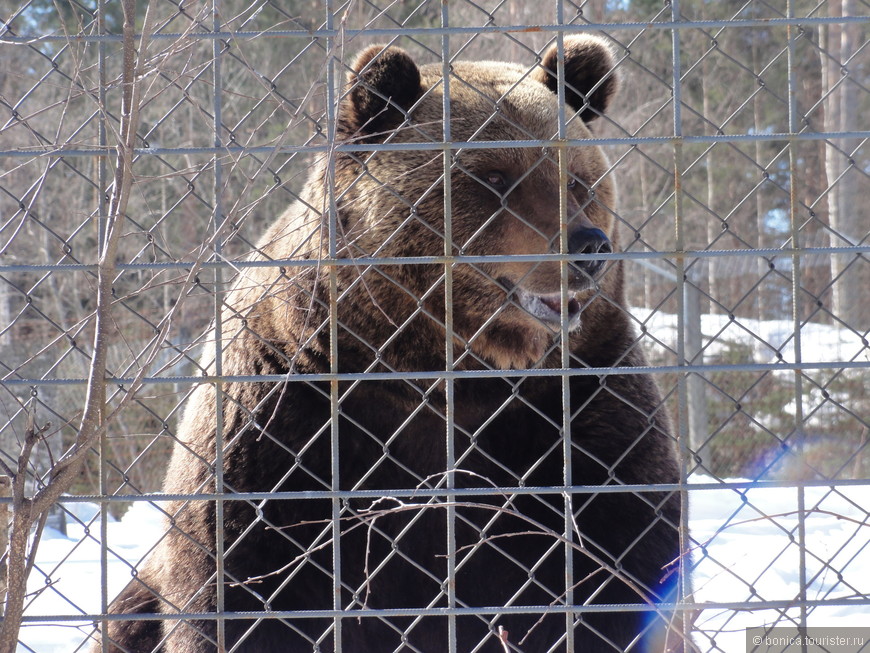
(738, 148)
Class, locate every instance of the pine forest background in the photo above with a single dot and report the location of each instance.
(735, 195)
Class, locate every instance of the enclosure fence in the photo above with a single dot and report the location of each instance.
(738, 145)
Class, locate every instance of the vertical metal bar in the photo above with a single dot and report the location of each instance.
(568, 477)
(217, 219)
(331, 118)
(450, 460)
(101, 239)
(683, 394)
(695, 383)
(794, 205)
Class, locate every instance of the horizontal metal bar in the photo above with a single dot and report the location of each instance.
(348, 34)
(785, 252)
(440, 612)
(426, 493)
(441, 146)
(455, 374)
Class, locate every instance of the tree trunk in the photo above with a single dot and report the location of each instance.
(816, 272)
(761, 305)
(851, 272)
(714, 227)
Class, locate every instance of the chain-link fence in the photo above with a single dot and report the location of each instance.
(374, 438)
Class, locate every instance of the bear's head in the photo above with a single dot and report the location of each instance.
(510, 197)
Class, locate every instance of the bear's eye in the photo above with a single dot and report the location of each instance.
(496, 180)
(579, 189)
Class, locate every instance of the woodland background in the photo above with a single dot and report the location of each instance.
(735, 195)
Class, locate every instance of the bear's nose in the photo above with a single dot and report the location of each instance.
(586, 240)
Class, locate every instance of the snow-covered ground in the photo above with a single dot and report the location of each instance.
(770, 341)
(748, 541)
(747, 551)
(67, 573)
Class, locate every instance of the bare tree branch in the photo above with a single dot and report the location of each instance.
(25, 510)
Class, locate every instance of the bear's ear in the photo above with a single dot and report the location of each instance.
(383, 85)
(590, 76)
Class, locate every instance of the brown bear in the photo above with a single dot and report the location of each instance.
(399, 482)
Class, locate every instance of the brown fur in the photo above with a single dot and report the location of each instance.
(392, 318)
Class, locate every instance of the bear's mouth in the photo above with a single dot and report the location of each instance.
(548, 308)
